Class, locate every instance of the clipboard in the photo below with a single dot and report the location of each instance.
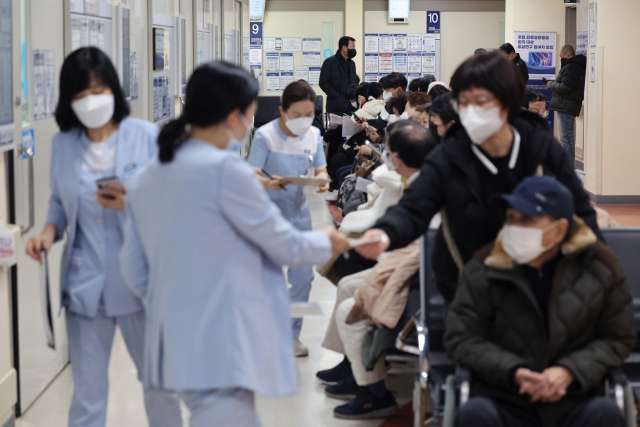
(308, 181)
(45, 299)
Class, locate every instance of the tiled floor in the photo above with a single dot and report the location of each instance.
(310, 408)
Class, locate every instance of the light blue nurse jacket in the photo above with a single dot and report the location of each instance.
(204, 248)
(136, 145)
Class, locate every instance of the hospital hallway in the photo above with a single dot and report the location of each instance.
(309, 408)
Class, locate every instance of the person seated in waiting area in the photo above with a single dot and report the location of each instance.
(436, 89)
(421, 114)
(425, 82)
(394, 85)
(540, 316)
(414, 100)
(373, 104)
(408, 146)
(442, 116)
(536, 102)
(414, 86)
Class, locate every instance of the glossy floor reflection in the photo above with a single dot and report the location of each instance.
(310, 408)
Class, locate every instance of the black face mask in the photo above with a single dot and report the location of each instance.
(563, 61)
(434, 131)
(351, 53)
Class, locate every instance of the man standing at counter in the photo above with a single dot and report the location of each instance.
(338, 73)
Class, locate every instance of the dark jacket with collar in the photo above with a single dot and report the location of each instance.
(495, 325)
(568, 89)
(336, 76)
(449, 179)
(522, 66)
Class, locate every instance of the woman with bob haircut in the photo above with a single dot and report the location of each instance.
(204, 248)
(97, 140)
(490, 151)
(290, 146)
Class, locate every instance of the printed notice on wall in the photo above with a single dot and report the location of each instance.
(314, 75)
(429, 63)
(311, 59)
(400, 63)
(371, 63)
(370, 43)
(385, 63)
(291, 44)
(414, 43)
(399, 42)
(269, 43)
(285, 80)
(255, 54)
(385, 43)
(370, 78)
(44, 84)
(312, 45)
(256, 72)
(273, 62)
(301, 73)
(414, 63)
(273, 81)
(286, 62)
(429, 43)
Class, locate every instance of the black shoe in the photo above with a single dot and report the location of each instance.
(346, 389)
(366, 405)
(335, 374)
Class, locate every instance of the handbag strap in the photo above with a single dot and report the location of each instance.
(451, 244)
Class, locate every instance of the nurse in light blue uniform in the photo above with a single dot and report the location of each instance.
(204, 248)
(290, 146)
(96, 141)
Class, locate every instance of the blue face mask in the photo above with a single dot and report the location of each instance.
(236, 145)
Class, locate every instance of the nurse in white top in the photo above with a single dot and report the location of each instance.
(290, 146)
(97, 141)
(204, 248)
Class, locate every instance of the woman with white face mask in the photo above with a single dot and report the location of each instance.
(97, 141)
(493, 148)
(204, 248)
(290, 146)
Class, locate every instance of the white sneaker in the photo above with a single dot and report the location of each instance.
(332, 197)
(300, 349)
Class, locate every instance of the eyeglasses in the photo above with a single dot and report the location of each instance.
(480, 101)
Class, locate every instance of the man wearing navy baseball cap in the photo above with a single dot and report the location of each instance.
(540, 316)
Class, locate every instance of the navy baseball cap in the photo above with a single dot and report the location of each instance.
(538, 196)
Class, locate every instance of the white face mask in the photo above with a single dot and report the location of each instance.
(238, 144)
(404, 116)
(298, 126)
(354, 104)
(94, 111)
(524, 244)
(481, 123)
(386, 158)
(387, 95)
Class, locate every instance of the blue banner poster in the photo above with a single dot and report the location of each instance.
(539, 51)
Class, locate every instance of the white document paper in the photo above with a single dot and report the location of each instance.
(349, 127)
(286, 62)
(302, 309)
(311, 59)
(400, 63)
(335, 120)
(314, 75)
(385, 63)
(399, 42)
(255, 55)
(414, 42)
(429, 63)
(273, 62)
(269, 43)
(301, 73)
(312, 45)
(361, 185)
(286, 79)
(429, 43)
(45, 300)
(76, 33)
(414, 63)
(371, 78)
(370, 43)
(291, 44)
(273, 81)
(385, 43)
(370, 63)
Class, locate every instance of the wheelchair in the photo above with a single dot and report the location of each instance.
(448, 386)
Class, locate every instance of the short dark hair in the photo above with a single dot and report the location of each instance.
(532, 95)
(214, 90)
(375, 90)
(438, 90)
(411, 141)
(426, 108)
(425, 82)
(443, 108)
(399, 102)
(351, 92)
(417, 99)
(344, 41)
(75, 74)
(494, 72)
(296, 92)
(507, 48)
(413, 86)
(394, 80)
(479, 51)
(568, 49)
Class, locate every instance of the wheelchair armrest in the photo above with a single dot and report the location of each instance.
(463, 383)
(615, 384)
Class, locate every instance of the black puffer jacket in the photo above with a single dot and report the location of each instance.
(495, 325)
(568, 89)
(522, 66)
(449, 180)
(336, 76)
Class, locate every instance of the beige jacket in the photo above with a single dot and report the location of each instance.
(383, 294)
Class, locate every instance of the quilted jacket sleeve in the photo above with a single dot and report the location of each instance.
(467, 338)
(615, 340)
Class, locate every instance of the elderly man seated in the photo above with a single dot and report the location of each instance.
(539, 317)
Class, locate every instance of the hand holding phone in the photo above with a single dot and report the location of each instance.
(112, 183)
(358, 119)
(545, 81)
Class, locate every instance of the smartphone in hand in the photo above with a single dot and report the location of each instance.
(545, 81)
(112, 182)
(357, 119)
